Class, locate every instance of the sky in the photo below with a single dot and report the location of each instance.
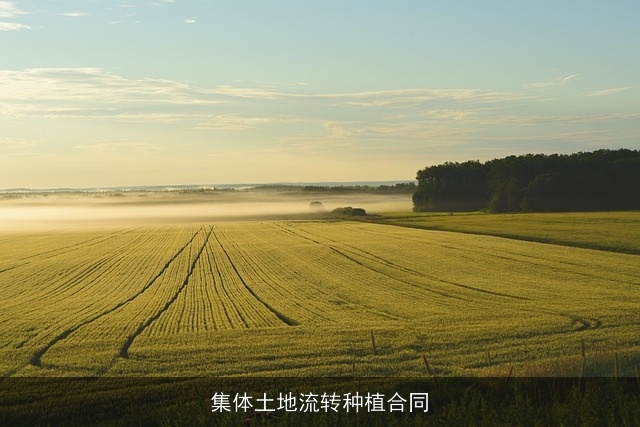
(114, 93)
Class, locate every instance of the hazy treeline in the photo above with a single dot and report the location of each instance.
(599, 180)
(399, 188)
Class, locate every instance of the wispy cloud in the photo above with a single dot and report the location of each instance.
(418, 96)
(605, 92)
(364, 135)
(456, 115)
(114, 147)
(75, 14)
(560, 81)
(249, 92)
(288, 115)
(531, 120)
(13, 26)
(8, 9)
(189, 21)
(69, 90)
(234, 122)
(592, 137)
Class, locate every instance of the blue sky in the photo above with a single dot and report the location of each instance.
(101, 93)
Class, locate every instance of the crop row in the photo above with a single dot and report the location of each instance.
(63, 295)
(216, 298)
(115, 330)
(131, 300)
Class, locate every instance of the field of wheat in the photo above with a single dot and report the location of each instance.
(306, 298)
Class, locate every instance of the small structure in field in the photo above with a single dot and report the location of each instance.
(316, 206)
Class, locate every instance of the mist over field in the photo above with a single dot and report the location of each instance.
(54, 210)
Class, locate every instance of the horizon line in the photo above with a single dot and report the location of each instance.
(166, 187)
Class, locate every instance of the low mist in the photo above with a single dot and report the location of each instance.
(69, 210)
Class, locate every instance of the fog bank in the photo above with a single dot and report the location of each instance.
(62, 211)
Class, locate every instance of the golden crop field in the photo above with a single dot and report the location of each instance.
(323, 298)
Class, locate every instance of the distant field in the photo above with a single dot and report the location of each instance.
(611, 231)
(318, 298)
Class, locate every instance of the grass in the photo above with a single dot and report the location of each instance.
(610, 231)
(341, 299)
(452, 401)
(303, 298)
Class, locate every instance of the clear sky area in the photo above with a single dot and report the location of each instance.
(109, 93)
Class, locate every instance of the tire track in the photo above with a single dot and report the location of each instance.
(421, 288)
(286, 320)
(36, 359)
(124, 350)
(72, 248)
(264, 269)
(374, 309)
(71, 277)
(224, 295)
(217, 292)
(76, 277)
(407, 270)
(513, 256)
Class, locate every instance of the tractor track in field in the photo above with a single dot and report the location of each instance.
(286, 320)
(513, 257)
(442, 294)
(373, 309)
(124, 350)
(36, 359)
(218, 292)
(267, 273)
(78, 277)
(71, 248)
(408, 270)
(420, 274)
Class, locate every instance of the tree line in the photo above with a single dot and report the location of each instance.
(598, 180)
(399, 188)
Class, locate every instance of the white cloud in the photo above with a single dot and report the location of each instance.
(8, 9)
(451, 114)
(232, 122)
(249, 92)
(13, 26)
(419, 96)
(364, 135)
(189, 21)
(290, 114)
(560, 81)
(605, 92)
(75, 14)
(237, 122)
(60, 91)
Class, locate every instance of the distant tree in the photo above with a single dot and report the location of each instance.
(599, 180)
(399, 188)
(350, 211)
(451, 187)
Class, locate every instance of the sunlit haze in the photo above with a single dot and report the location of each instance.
(109, 93)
